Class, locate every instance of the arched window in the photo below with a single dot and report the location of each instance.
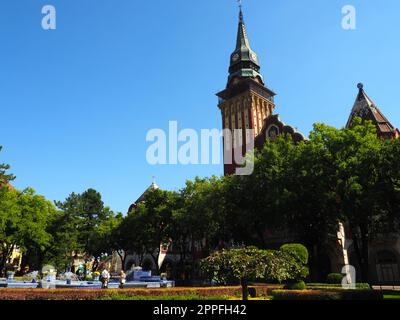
(387, 267)
(272, 132)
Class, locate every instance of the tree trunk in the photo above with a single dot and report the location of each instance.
(245, 290)
(123, 258)
(2, 265)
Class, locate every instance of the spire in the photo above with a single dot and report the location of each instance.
(244, 61)
(366, 109)
(240, 10)
(242, 39)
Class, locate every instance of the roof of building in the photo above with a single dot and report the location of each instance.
(153, 186)
(273, 126)
(366, 108)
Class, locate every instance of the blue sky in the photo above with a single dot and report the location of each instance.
(76, 102)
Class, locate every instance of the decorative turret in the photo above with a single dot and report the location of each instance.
(366, 109)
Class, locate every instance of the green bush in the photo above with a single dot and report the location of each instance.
(296, 256)
(296, 250)
(299, 285)
(334, 278)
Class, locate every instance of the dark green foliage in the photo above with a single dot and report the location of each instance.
(297, 250)
(82, 226)
(5, 177)
(299, 285)
(250, 263)
(334, 278)
(297, 256)
(241, 265)
(24, 216)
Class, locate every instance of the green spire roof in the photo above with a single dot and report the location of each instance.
(244, 61)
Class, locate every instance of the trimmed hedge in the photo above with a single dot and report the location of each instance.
(299, 285)
(129, 294)
(296, 250)
(327, 295)
(335, 286)
(334, 278)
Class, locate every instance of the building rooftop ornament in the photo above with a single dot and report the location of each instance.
(366, 108)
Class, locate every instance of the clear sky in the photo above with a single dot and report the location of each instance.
(76, 102)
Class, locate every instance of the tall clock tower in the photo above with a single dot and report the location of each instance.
(246, 102)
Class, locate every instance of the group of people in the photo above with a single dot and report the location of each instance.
(105, 278)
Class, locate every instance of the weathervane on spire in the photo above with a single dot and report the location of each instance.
(240, 4)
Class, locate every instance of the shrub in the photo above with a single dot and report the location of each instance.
(299, 285)
(297, 259)
(334, 278)
(296, 250)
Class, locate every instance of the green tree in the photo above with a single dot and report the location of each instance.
(63, 228)
(23, 222)
(77, 227)
(128, 238)
(5, 177)
(360, 186)
(296, 256)
(242, 265)
(343, 175)
(146, 226)
(102, 240)
(255, 203)
(155, 216)
(236, 265)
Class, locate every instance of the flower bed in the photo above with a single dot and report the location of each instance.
(99, 294)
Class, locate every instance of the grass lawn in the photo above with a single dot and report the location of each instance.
(392, 296)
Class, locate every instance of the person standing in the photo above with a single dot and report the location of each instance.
(105, 278)
(122, 279)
